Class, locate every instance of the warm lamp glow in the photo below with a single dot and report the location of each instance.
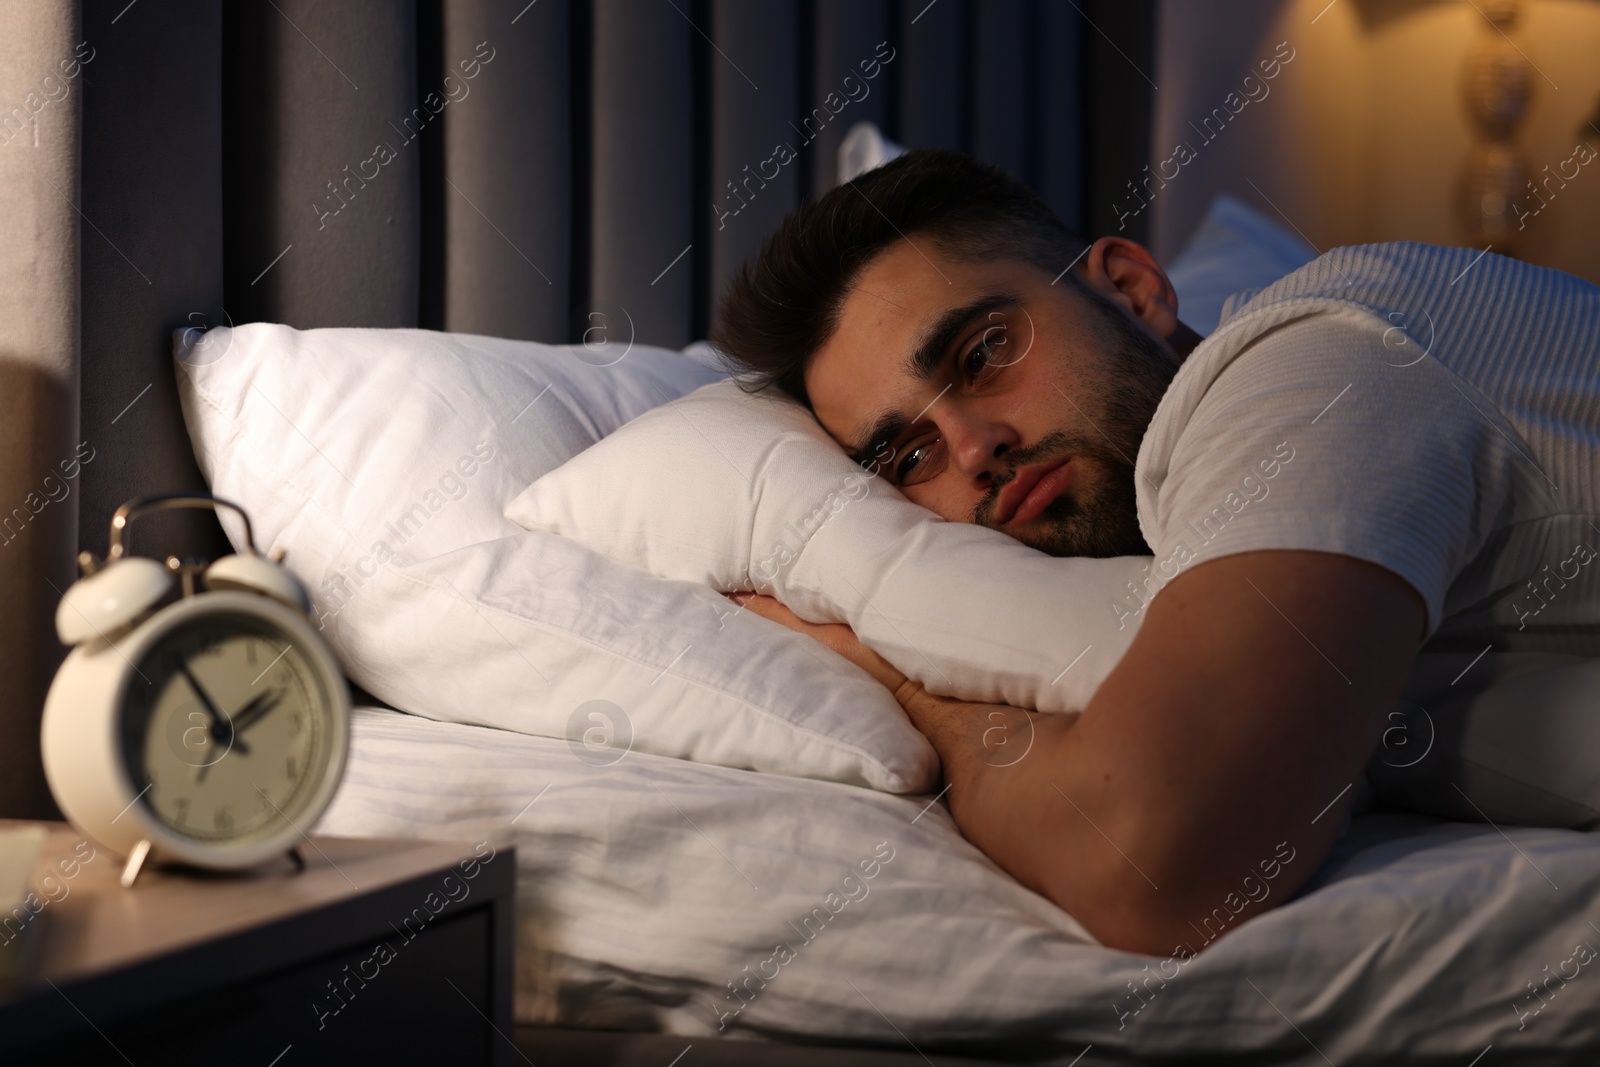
(1498, 81)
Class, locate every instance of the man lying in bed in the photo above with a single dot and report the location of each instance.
(1395, 444)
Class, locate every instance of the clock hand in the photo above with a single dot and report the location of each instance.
(247, 715)
(238, 744)
(221, 726)
(205, 698)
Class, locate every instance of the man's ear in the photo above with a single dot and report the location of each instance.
(1124, 271)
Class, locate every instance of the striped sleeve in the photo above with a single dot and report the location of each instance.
(1321, 436)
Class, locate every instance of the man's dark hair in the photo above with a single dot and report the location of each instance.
(781, 309)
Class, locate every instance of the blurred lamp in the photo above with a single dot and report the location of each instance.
(1498, 81)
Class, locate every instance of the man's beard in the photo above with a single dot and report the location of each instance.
(1098, 515)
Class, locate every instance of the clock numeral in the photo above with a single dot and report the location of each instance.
(294, 726)
(289, 767)
(223, 820)
(182, 804)
(250, 651)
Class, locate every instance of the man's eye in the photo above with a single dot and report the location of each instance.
(915, 462)
(984, 355)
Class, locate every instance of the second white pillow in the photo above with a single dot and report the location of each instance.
(381, 461)
(747, 491)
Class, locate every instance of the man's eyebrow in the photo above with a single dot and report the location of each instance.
(923, 364)
(924, 361)
(885, 427)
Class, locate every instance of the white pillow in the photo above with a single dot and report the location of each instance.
(743, 491)
(411, 438)
(1234, 248)
(381, 461)
(864, 148)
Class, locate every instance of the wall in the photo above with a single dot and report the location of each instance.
(1362, 135)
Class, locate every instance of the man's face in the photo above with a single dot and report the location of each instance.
(990, 395)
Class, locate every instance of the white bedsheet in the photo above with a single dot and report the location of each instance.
(647, 886)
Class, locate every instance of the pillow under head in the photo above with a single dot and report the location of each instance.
(744, 490)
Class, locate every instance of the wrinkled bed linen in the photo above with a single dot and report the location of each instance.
(655, 893)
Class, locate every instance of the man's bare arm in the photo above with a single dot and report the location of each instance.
(1244, 709)
(1235, 724)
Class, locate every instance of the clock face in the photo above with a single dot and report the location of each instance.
(226, 728)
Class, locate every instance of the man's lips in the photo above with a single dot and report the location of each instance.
(1032, 490)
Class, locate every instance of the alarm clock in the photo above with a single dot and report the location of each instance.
(208, 729)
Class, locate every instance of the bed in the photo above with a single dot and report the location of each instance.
(574, 182)
(645, 895)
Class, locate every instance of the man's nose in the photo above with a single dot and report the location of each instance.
(978, 445)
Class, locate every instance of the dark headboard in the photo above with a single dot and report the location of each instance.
(231, 171)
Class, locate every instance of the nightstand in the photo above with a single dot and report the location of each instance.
(379, 951)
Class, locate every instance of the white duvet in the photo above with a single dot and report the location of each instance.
(656, 893)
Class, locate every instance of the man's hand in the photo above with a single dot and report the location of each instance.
(1226, 740)
(995, 733)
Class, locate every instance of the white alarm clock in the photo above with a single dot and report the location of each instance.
(210, 731)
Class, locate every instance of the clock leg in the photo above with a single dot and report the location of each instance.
(135, 864)
(298, 860)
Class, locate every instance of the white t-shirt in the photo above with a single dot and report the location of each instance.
(1431, 410)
